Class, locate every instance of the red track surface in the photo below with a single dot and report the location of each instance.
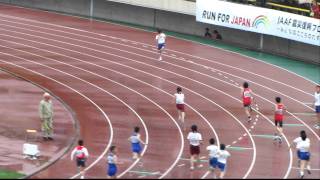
(110, 76)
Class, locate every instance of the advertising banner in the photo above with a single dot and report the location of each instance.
(260, 20)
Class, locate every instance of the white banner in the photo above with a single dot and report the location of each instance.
(260, 20)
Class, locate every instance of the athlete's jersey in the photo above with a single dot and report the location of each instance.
(279, 112)
(80, 152)
(161, 38)
(246, 96)
(179, 98)
(134, 138)
(111, 158)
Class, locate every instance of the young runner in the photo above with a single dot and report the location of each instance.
(135, 143)
(278, 119)
(303, 152)
(112, 160)
(247, 99)
(161, 42)
(222, 160)
(317, 106)
(81, 154)
(195, 139)
(179, 99)
(213, 156)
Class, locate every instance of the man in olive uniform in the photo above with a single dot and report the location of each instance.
(46, 116)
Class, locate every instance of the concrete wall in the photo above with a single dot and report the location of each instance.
(77, 7)
(177, 22)
(179, 6)
(123, 12)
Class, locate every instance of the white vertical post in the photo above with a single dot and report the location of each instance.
(91, 8)
(261, 42)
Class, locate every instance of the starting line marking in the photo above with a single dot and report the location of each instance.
(146, 173)
(264, 136)
(293, 125)
(305, 168)
(236, 148)
(186, 159)
(305, 114)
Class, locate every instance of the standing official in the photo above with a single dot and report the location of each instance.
(46, 117)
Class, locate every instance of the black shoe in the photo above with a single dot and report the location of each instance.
(301, 176)
(309, 172)
(45, 138)
(50, 138)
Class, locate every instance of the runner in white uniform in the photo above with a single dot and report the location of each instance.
(161, 41)
(195, 139)
(222, 160)
(303, 152)
(317, 105)
(179, 99)
(213, 156)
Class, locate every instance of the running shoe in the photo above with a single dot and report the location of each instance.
(309, 172)
(280, 139)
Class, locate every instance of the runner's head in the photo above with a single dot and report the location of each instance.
(278, 99)
(136, 129)
(113, 149)
(222, 147)
(212, 141)
(194, 128)
(80, 142)
(159, 31)
(318, 88)
(303, 135)
(179, 89)
(245, 85)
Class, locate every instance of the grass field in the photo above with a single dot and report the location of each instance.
(5, 174)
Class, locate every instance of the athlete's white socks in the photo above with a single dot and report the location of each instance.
(301, 173)
(308, 167)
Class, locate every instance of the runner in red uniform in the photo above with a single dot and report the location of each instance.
(247, 99)
(278, 119)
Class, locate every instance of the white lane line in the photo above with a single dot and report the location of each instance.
(98, 107)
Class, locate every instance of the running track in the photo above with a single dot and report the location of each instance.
(110, 76)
